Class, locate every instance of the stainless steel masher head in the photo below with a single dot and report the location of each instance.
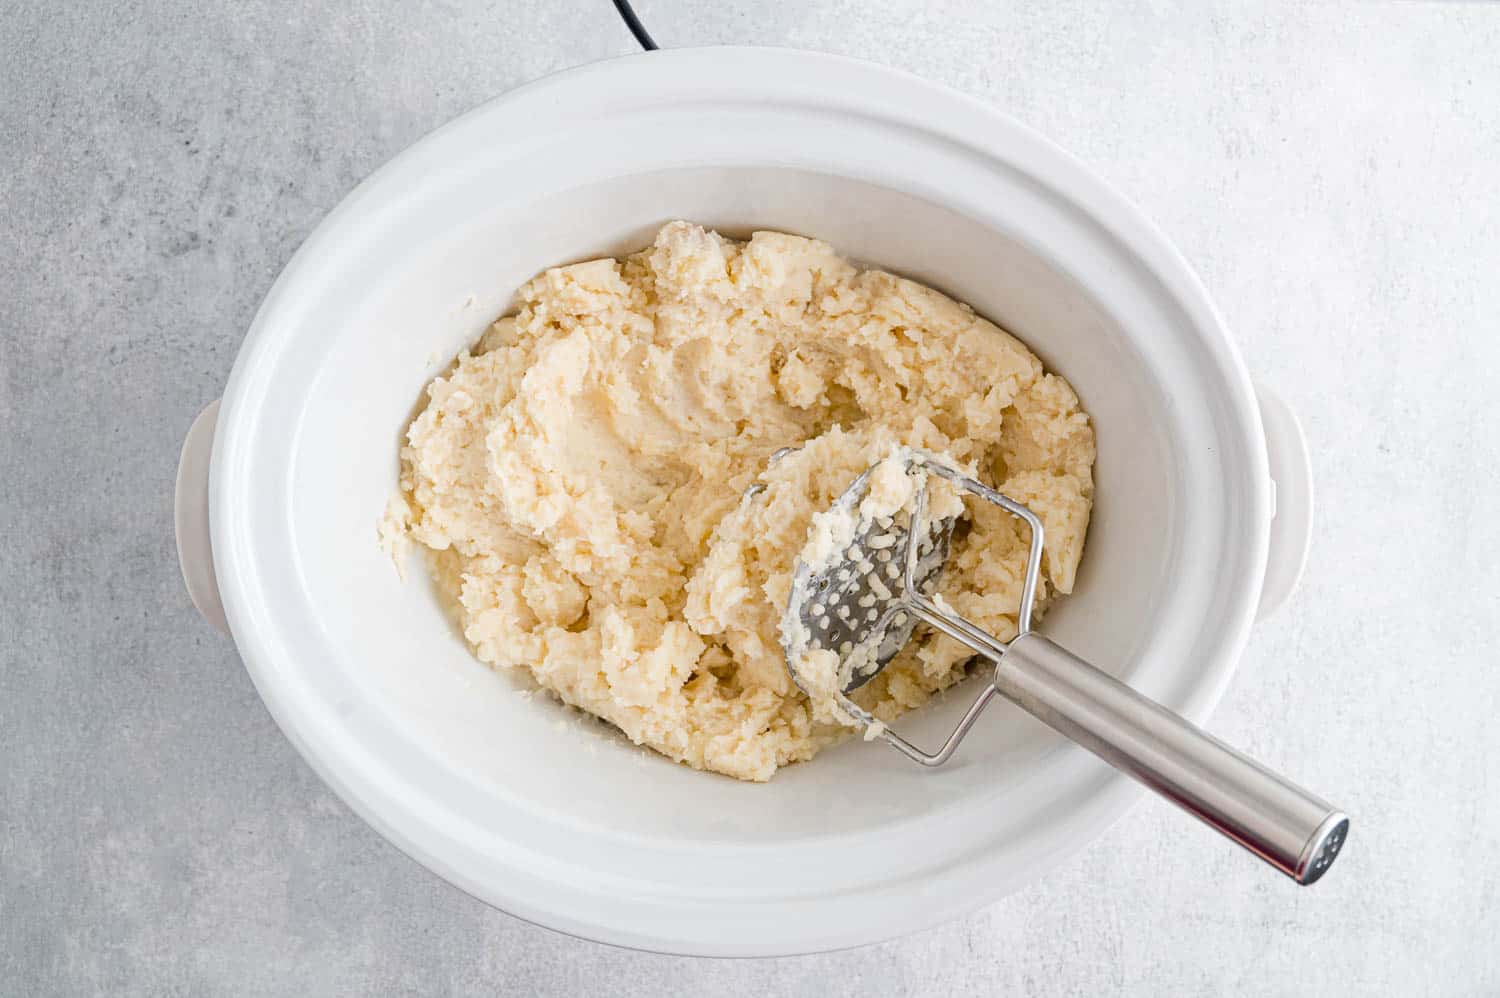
(864, 602)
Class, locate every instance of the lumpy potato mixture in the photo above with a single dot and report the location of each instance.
(579, 473)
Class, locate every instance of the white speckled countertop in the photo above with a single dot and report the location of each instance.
(1333, 172)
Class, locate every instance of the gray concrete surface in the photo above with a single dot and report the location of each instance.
(1332, 170)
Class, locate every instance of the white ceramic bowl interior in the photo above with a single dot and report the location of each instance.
(553, 816)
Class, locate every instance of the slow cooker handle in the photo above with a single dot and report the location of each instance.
(195, 552)
(1294, 831)
(1291, 474)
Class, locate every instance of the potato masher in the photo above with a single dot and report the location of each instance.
(864, 602)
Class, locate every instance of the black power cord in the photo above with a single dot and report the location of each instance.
(634, 24)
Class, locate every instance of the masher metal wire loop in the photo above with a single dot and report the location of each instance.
(950, 622)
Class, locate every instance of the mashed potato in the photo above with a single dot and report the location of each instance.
(579, 475)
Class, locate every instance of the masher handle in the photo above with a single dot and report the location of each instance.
(1293, 830)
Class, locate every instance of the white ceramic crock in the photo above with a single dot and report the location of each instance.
(551, 816)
